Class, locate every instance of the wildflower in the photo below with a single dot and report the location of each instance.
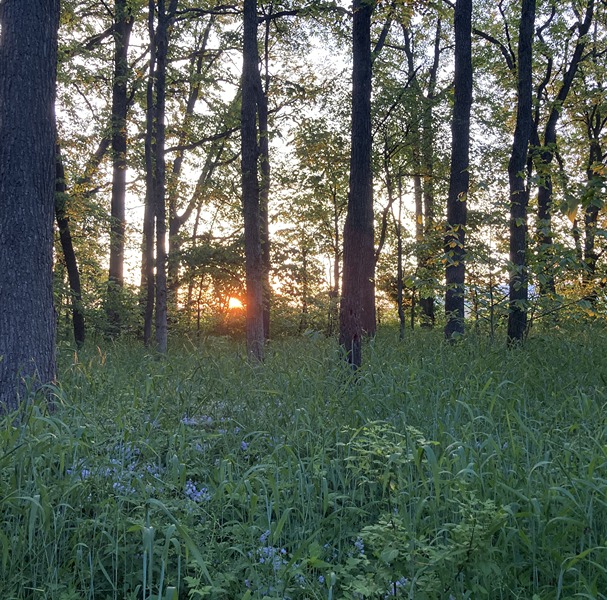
(263, 538)
(321, 579)
(360, 546)
(195, 494)
(244, 445)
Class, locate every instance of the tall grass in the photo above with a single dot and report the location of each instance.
(436, 471)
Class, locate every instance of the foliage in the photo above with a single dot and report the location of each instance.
(435, 471)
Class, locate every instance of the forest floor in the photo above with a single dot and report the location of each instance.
(436, 471)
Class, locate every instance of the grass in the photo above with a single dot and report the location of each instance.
(436, 471)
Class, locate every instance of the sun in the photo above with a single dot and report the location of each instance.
(234, 304)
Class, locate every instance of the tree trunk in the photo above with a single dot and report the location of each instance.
(357, 308)
(69, 256)
(546, 155)
(460, 177)
(519, 193)
(591, 211)
(264, 188)
(162, 42)
(28, 53)
(250, 185)
(123, 23)
(426, 300)
(148, 284)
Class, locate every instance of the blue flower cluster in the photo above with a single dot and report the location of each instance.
(195, 494)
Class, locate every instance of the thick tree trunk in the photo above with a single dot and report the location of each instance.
(69, 256)
(519, 193)
(28, 53)
(250, 185)
(357, 308)
(460, 177)
(122, 31)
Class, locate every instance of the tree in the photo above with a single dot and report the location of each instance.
(69, 255)
(250, 184)
(460, 177)
(545, 148)
(519, 192)
(28, 52)
(123, 24)
(357, 308)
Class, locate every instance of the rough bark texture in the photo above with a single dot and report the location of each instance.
(28, 59)
(69, 256)
(122, 32)
(519, 193)
(250, 185)
(459, 178)
(357, 308)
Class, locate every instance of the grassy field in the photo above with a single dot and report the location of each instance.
(436, 471)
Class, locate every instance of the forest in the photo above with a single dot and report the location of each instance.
(303, 299)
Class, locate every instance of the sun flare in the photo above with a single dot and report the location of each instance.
(235, 304)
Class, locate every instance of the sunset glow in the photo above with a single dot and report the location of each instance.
(235, 304)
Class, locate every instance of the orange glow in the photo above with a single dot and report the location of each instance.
(235, 304)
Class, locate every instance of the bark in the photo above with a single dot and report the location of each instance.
(357, 308)
(399, 264)
(592, 209)
(426, 300)
(120, 101)
(459, 178)
(162, 41)
(69, 256)
(250, 185)
(28, 53)
(264, 188)
(519, 193)
(148, 284)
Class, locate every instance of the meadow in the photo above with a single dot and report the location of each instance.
(436, 471)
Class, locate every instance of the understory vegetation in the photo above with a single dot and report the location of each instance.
(435, 471)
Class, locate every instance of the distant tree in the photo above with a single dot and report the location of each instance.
(519, 192)
(357, 308)
(459, 179)
(69, 254)
(28, 53)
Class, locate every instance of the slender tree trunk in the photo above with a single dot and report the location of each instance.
(123, 23)
(250, 185)
(426, 300)
(547, 152)
(591, 215)
(162, 42)
(399, 264)
(264, 188)
(148, 284)
(460, 177)
(357, 308)
(69, 256)
(519, 193)
(28, 53)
